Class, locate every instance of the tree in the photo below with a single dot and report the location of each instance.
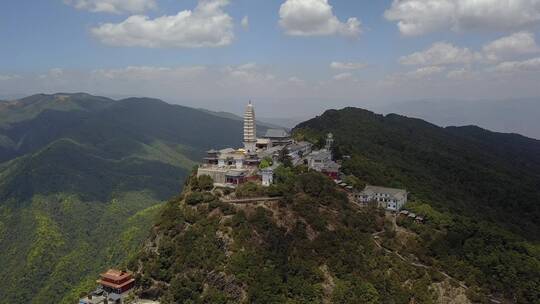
(355, 293)
(195, 198)
(284, 158)
(206, 182)
(265, 163)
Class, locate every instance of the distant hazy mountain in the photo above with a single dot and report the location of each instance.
(262, 123)
(80, 177)
(288, 123)
(510, 116)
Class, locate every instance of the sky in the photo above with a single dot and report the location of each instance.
(293, 58)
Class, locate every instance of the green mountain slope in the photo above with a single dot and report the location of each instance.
(491, 176)
(81, 179)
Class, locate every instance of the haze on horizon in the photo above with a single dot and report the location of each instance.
(447, 61)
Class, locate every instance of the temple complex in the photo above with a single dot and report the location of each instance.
(231, 167)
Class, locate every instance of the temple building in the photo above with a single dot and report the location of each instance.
(322, 161)
(231, 167)
(116, 281)
(388, 198)
(277, 137)
(114, 286)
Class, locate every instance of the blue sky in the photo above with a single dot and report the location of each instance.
(392, 50)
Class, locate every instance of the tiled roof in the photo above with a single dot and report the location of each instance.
(276, 133)
(395, 193)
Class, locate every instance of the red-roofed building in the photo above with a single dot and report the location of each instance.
(116, 281)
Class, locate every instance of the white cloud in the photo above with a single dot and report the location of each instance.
(206, 26)
(150, 73)
(516, 44)
(9, 77)
(417, 17)
(336, 65)
(245, 22)
(315, 18)
(344, 76)
(425, 71)
(530, 65)
(460, 74)
(113, 6)
(249, 73)
(53, 73)
(441, 53)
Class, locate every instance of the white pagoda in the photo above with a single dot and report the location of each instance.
(250, 130)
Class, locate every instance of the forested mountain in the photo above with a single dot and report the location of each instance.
(486, 175)
(480, 190)
(80, 177)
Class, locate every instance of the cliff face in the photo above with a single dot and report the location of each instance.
(312, 246)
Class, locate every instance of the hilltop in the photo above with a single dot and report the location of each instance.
(310, 246)
(306, 240)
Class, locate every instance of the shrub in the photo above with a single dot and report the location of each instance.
(250, 189)
(206, 183)
(194, 198)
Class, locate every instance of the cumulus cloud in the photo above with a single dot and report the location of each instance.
(417, 17)
(206, 26)
(296, 80)
(9, 77)
(245, 22)
(516, 44)
(53, 73)
(441, 53)
(344, 76)
(113, 6)
(132, 73)
(460, 74)
(530, 65)
(336, 65)
(315, 18)
(249, 73)
(425, 72)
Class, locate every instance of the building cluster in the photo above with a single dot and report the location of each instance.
(113, 287)
(231, 167)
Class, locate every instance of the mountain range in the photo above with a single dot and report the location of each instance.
(80, 180)
(83, 180)
(508, 115)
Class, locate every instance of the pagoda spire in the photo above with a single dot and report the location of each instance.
(250, 129)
